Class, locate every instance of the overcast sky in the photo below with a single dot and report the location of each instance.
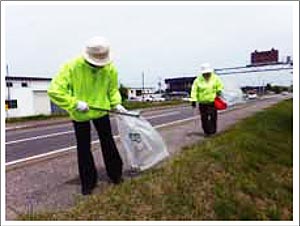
(162, 41)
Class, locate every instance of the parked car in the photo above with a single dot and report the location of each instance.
(252, 96)
(148, 99)
(136, 99)
(158, 97)
(176, 95)
(185, 99)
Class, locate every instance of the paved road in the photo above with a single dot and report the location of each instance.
(30, 142)
(26, 143)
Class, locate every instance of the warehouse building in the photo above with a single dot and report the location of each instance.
(181, 84)
(27, 96)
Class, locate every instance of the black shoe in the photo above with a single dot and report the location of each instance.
(208, 134)
(86, 191)
(117, 181)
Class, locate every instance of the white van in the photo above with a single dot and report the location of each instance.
(157, 97)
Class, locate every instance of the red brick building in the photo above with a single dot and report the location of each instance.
(264, 57)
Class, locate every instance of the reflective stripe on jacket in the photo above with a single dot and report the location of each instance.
(78, 81)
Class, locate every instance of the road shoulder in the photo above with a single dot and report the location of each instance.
(54, 184)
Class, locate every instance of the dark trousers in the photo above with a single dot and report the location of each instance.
(112, 159)
(208, 118)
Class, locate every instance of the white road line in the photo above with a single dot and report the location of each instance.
(71, 131)
(145, 113)
(54, 126)
(39, 137)
(163, 115)
(176, 122)
(112, 117)
(40, 156)
(60, 151)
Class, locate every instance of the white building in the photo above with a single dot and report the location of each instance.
(27, 96)
(140, 93)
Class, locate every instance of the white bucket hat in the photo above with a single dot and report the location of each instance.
(97, 51)
(206, 68)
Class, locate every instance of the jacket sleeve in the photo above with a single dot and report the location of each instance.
(59, 90)
(219, 85)
(114, 94)
(194, 90)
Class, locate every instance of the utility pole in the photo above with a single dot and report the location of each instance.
(159, 85)
(8, 93)
(8, 88)
(260, 87)
(143, 85)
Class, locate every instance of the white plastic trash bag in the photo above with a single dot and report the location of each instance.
(232, 92)
(144, 147)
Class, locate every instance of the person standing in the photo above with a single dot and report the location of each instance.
(206, 87)
(91, 79)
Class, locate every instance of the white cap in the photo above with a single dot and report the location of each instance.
(206, 68)
(97, 51)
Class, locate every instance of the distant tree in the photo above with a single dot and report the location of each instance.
(268, 86)
(124, 92)
(285, 88)
(277, 89)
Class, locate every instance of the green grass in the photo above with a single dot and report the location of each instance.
(244, 173)
(137, 105)
(127, 105)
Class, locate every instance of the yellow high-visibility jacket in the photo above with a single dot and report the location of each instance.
(205, 91)
(78, 81)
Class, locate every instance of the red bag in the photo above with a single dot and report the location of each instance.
(220, 104)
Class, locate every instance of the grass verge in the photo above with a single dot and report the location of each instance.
(244, 173)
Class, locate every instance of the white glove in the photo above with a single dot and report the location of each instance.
(82, 106)
(120, 108)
